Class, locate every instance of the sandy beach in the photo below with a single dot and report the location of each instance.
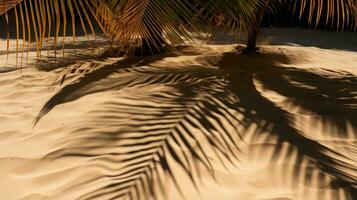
(203, 122)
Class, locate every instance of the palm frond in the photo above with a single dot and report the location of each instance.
(45, 22)
(238, 16)
(6, 5)
(153, 21)
(243, 16)
(343, 13)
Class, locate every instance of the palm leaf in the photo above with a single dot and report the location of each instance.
(153, 21)
(39, 20)
(236, 16)
(341, 12)
(243, 16)
(6, 5)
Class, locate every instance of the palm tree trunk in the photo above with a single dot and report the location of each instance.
(252, 40)
(253, 34)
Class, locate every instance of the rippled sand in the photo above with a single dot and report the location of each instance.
(193, 123)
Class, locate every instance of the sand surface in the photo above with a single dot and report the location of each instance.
(195, 123)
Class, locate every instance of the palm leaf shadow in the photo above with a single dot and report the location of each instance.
(68, 93)
(337, 96)
(165, 117)
(170, 124)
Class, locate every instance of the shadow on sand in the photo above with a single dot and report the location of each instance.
(199, 105)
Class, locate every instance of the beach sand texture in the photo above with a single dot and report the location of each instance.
(193, 123)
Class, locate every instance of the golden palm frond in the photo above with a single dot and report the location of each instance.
(244, 16)
(341, 12)
(232, 15)
(6, 5)
(149, 22)
(39, 20)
